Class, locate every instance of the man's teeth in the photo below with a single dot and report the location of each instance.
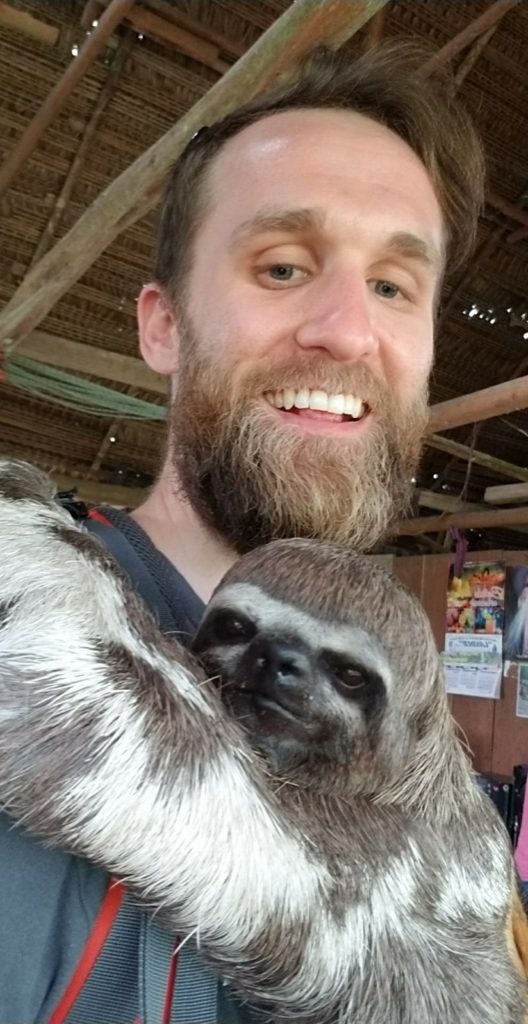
(347, 405)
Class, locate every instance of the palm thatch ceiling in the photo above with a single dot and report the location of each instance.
(148, 67)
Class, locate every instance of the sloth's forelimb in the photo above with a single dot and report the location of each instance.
(113, 746)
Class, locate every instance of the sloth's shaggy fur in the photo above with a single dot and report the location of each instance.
(368, 884)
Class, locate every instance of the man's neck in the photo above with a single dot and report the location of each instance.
(199, 554)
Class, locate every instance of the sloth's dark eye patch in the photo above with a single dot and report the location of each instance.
(224, 626)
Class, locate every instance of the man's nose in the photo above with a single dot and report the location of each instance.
(338, 319)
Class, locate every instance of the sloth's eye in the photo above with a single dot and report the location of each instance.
(351, 677)
(231, 628)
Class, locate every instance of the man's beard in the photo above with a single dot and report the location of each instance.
(254, 479)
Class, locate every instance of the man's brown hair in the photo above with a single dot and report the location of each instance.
(385, 84)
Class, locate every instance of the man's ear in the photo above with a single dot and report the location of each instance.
(159, 339)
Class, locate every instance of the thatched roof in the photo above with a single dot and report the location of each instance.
(159, 60)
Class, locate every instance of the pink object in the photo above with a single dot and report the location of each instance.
(521, 850)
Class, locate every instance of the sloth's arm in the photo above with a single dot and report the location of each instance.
(113, 747)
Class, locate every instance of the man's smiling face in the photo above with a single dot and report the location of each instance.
(307, 332)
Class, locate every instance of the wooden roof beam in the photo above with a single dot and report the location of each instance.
(56, 99)
(491, 519)
(27, 25)
(498, 400)
(481, 24)
(375, 30)
(138, 188)
(63, 198)
(467, 454)
(506, 494)
(98, 362)
(509, 210)
(199, 28)
(99, 493)
(159, 29)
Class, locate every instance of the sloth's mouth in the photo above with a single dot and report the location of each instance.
(267, 704)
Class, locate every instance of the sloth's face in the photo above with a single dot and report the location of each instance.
(324, 660)
(296, 699)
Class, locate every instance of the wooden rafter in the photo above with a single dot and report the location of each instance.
(174, 16)
(506, 493)
(199, 28)
(56, 99)
(468, 454)
(81, 152)
(98, 362)
(489, 519)
(22, 21)
(375, 30)
(108, 438)
(479, 405)
(98, 493)
(472, 56)
(157, 28)
(137, 189)
(509, 210)
(481, 24)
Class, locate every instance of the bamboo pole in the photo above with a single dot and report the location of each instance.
(56, 99)
(138, 188)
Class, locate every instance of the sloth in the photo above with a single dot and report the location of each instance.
(292, 790)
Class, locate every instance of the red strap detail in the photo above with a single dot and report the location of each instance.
(171, 981)
(100, 517)
(94, 944)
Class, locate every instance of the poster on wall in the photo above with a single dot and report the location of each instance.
(522, 692)
(474, 630)
(516, 614)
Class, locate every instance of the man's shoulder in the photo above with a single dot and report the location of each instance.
(164, 590)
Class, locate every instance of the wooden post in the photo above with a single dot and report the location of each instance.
(471, 32)
(137, 189)
(56, 99)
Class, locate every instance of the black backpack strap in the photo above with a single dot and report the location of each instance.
(131, 564)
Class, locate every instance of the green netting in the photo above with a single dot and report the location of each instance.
(76, 392)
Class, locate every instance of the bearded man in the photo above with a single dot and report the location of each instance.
(302, 246)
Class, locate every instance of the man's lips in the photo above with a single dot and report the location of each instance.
(315, 421)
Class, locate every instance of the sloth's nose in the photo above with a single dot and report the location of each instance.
(279, 668)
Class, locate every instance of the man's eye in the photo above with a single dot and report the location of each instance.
(387, 289)
(284, 272)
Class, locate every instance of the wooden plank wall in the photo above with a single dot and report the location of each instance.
(496, 737)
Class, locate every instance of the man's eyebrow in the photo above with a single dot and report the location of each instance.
(404, 243)
(292, 221)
